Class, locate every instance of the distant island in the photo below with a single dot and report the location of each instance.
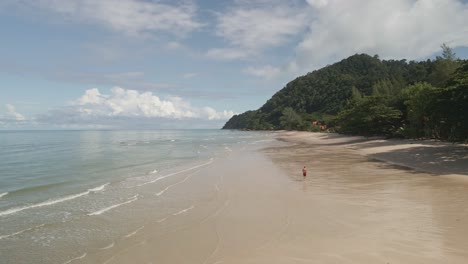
(364, 95)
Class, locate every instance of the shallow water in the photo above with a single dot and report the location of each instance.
(65, 192)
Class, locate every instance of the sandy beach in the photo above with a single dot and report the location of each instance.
(363, 201)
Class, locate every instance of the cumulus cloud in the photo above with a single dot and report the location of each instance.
(132, 17)
(131, 103)
(411, 29)
(13, 114)
(124, 108)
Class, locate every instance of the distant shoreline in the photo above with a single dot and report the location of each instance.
(431, 156)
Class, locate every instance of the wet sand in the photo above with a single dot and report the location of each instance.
(363, 201)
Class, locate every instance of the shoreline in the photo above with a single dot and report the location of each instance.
(389, 150)
(254, 206)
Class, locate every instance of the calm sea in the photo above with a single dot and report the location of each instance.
(53, 183)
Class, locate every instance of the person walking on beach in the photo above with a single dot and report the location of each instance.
(304, 171)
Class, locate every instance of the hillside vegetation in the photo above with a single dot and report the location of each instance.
(363, 95)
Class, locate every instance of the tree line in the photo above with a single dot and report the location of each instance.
(364, 95)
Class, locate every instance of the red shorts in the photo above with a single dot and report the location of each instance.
(304, 174)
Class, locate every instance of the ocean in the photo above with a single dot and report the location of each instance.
(63, 193)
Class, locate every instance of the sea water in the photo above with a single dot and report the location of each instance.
(62, 191)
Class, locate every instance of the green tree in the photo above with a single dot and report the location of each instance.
(368, 117)
(290, 119)
(444, 67)
(450, 108)
(418, 99)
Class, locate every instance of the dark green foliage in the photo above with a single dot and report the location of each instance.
(443, 67)
(290, 119)
(450, 108)
(367, 96)
(368, 117)
(418, 99)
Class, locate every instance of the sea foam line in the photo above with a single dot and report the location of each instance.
(51, 202)
(107, 247)
(172, 185)
(134, 232)
(77, 258)
(3, 194)
(184, 210)
(178, 172)
(162, 220)
(132, 199)
(22, 231)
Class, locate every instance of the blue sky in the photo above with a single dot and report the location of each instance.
(193, 64)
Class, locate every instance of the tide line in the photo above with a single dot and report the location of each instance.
(51, 202)
(172, 185)
(3, 194)
(107, 247)
(77, 258)
(184, 210)
(162, 220)
(132, 199)
(175, 173)
(22, 231)
(134, 232)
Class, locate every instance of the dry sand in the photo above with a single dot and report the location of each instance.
(255, 207)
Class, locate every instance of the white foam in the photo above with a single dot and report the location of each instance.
(175, 173)
(134, 232)
(227, 149)
(52, 202)
(258, 141)
(184, 210)
(107, 247)
(172, 185)
(3, 194)
(162, 220)
(154, 172)
(22, 231)
(77, 258)
(99, 188)
(132, 199)
(163, 191)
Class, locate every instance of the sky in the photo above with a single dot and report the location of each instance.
(162, 64)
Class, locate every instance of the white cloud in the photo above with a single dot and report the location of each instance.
(174, 45)
(266, 72)
(317, 3)
(124, 108)
(250, 28)
(228, 54)
(13, 114)
(326, 31)
(131, 103)
(189, 75)
(410, 29)
(132, 17)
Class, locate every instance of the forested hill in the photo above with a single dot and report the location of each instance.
(358, 88)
